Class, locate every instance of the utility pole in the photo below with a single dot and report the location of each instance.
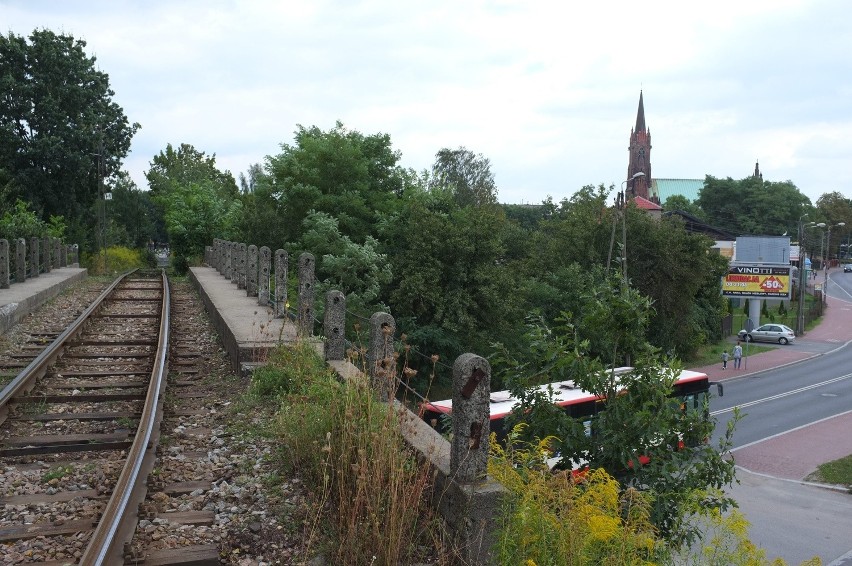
(828, 253)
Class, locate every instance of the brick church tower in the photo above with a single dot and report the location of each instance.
(640, 156)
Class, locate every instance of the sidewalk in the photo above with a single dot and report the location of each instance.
(794, 454)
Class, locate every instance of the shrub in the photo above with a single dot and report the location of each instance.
(113, 260)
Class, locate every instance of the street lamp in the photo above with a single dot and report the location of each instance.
(828, 250)
(800, 321)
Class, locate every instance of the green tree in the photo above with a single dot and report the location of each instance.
(57, 119)
(184, 166)
(753, 206)
(357, 270)
(195, 214)
(352, 177)
(133, 212)
(197, 201)
(466, 175)
(834, 208)
(451, 290)
(680, 202)
(640, 418)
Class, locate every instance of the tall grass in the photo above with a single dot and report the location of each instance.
(372, 493)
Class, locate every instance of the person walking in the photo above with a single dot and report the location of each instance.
(738, 355)
(725, 359)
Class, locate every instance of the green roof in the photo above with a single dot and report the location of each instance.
(664, 188)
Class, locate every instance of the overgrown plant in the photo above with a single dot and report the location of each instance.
(638, 431)
(556, 519)
(343, 440)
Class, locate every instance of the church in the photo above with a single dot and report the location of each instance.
(648, 187)
(650, 193)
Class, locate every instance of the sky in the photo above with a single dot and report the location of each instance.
(546, 90)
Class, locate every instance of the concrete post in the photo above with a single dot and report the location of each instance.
(251, 275)
(241, 280)
(305, 321)
(4, 264)
(20, 260)
(235, 263)
(57, 253)
(45, 254)
(34, 257)
(75, 253)
(208, 256)
(281, 261)
(334, 326)
(263, 278)
(471, 418)
(63, 255)
(229, 260)
(381, 364)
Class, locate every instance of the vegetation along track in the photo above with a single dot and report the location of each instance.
(209, 495)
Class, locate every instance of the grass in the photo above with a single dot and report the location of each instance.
(837, 472)
(712, 353)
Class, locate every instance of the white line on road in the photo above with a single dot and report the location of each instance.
(781, 395)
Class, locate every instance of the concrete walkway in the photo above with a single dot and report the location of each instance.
(20, 299)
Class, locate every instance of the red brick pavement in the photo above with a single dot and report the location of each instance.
(795, 454)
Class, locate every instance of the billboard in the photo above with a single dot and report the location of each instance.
(757, 281)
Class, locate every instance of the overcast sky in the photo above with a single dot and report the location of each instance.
(547, 91)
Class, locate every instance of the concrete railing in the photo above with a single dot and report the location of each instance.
(17, 265)
(468, 499)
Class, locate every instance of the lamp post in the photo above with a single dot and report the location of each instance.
(800, 321)
(828, 251)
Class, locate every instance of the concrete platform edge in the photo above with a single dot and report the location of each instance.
(11, 313)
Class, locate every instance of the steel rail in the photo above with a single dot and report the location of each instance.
(38, 367)
(107, 543)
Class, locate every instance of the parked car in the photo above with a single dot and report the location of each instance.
(847, 268)
(769, 333)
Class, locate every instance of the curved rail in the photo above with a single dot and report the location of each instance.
(106, 544)
(37, 368)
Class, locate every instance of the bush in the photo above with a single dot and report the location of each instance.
(113, 260)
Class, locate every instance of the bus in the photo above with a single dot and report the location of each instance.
(692, 388)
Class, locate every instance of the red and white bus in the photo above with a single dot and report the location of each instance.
(691, 387)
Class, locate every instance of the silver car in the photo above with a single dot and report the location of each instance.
(769, 333)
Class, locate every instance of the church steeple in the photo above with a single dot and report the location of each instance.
(640, 115)
(640, 156)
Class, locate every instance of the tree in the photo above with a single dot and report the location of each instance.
(133, 212)
(451, 290)
(466, 175)
(680, 202)
(752, 206)
(640, 417)
(198, 201)
(352, 177)
(184, 166)
(834, 208)
(250, 179)
(57, 120)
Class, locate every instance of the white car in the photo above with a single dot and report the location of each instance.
(769, 333)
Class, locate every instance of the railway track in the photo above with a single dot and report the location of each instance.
(79, 438)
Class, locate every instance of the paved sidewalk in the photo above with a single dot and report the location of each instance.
(795, 454)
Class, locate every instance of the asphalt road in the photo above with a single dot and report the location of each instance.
(796, 417)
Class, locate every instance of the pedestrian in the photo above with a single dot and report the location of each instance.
(738, 355)
(725, 359)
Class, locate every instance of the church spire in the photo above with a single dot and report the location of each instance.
(640, 157)
(640, 115)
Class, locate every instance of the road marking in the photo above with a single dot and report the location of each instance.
(776, 435)
(781, 395)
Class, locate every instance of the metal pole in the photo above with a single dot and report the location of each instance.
(800, 322)
(825, 267)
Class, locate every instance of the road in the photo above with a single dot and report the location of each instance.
(797, 416)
